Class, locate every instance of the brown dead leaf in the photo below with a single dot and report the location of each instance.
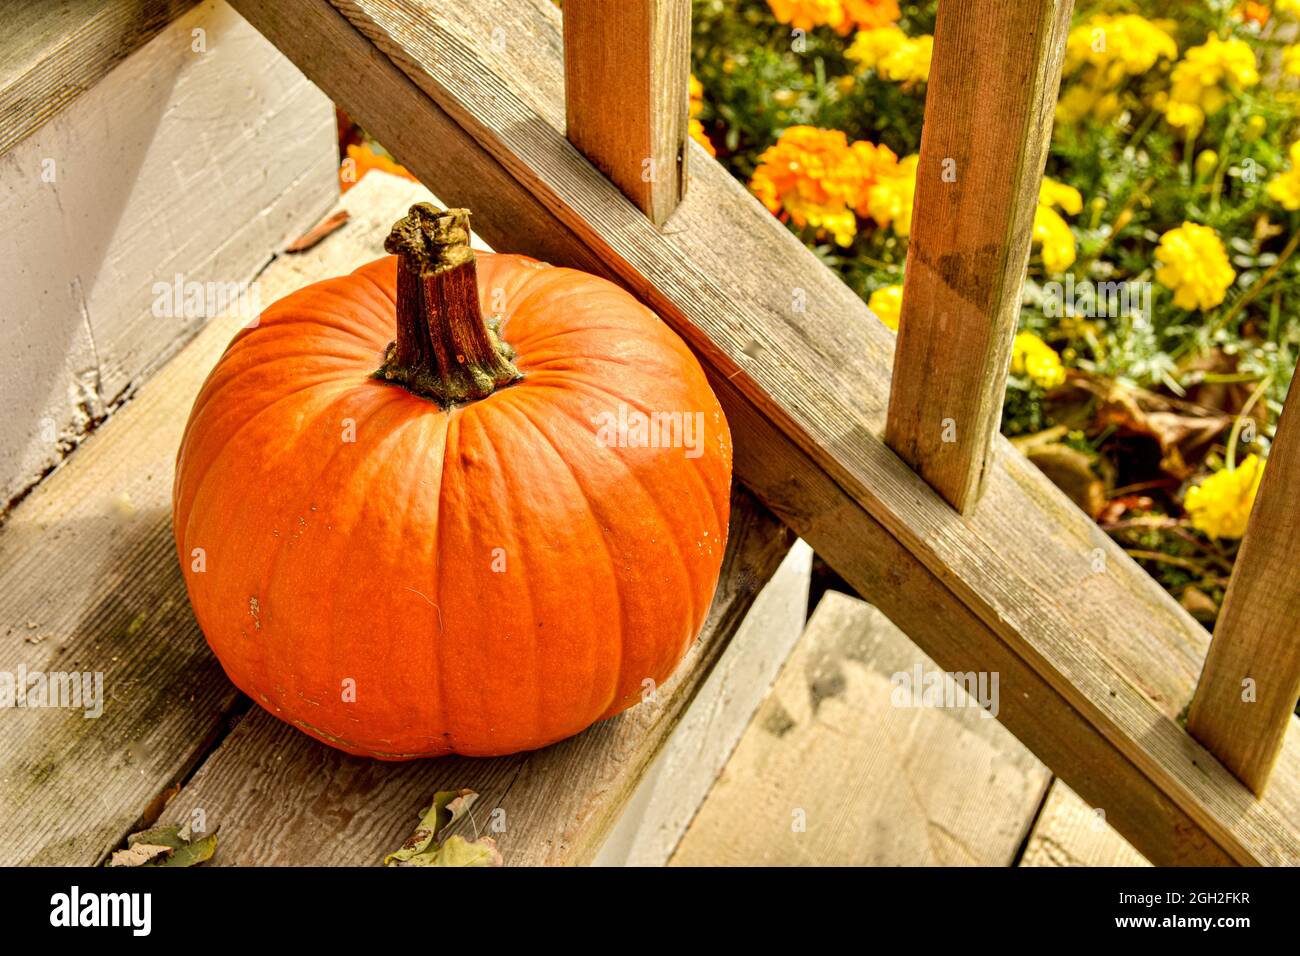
(1071, 471)
(1183, 431)
(1199, 604)
(318, 232)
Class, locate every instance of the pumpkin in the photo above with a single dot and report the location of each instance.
(410, 530)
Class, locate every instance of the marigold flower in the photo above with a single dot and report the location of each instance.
(1288, 6)
(1284, 189)
(817, 178)
(1035, 359)
(695, 128)
(842, 15)
(1194, 264)
(892, 54)
(1252, 12)
(887, 303)
(1206, 77)
(1291, 59)
(1118, 46)
(889, 200)
(1052, 193)
(361, 159)
(1220, 505)
(1052, 233)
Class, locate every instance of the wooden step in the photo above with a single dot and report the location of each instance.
(89, 582)
(831, 772)
(1068, 832)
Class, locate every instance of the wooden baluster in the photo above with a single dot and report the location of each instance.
(988, 121)
(626, 87)
(1248, 688)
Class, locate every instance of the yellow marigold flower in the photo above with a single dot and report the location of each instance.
(1032, 357)
(1053, 234)
(889, 200)
(1118, 46)
(1288, 6)
(1284, 189)
(1291, 59)
(887, 303)
(1206, 77)
(1220, 505)
(1194, 264)
(1052, 193)
(892, 54)
(1206, 162)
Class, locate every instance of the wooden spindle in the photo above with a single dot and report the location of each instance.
(627, 101)
(988, 122)
(1248, 688)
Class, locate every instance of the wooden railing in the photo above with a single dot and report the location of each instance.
(1096, 660)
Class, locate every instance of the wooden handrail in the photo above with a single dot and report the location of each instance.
(1247, 692)
(988, 122)
(627, 68)
(1096, 659)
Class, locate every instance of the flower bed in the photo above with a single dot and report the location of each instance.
(1158, 332)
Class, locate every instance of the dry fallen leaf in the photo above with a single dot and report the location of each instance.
(424, 848)
(165, 846)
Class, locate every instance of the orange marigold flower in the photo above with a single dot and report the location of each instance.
(360, 160)
(817, 178)
(843, 15)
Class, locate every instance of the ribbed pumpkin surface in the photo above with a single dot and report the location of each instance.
(399, 580)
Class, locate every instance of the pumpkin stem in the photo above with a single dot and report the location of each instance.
(444, 349)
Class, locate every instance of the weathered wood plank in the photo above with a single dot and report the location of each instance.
(1068, 832)
(126, 189)
(832, 771)
(1247, 693)
(282, 798)
(627, 66)
(51, 53)
(1107, 657)
(89, 583)
(988, 124)
(674, 786)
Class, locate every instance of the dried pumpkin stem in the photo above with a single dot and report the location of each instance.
(444, 349)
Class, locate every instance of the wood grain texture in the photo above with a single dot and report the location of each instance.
(51, 53)
(1068, 832)
(1246, 697)
(126, 189)
(988, 124)
(673, 787)
(89, 582)
(627, 66)
(282, 798)
(1107, 658)
(832, 772)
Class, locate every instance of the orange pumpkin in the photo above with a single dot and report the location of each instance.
(478, 539)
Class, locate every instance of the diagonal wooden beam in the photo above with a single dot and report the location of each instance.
(1097, 657)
